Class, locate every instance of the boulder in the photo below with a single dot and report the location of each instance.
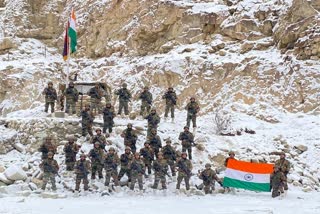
(20, 147)
(49, 195)
(2, 168)
(15, 173)
(302, 148)
(4, 179)
(6, 43)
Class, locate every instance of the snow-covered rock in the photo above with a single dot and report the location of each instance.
(4, 179)
(15, 173)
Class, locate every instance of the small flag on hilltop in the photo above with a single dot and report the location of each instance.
(250, 176)
(72, 32)
(66, 44)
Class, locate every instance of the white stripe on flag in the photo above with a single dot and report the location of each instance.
(247, 176)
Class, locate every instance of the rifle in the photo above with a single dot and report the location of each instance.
(184, 168)
(82, 168)
(137, 167)
(50, 93)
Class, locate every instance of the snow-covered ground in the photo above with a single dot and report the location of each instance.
(242, 203)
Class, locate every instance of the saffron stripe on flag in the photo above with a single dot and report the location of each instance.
(229, 182)
(262, 168)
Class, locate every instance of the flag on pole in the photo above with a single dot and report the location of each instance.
(72, 32)
(66, 44)
(246, 175)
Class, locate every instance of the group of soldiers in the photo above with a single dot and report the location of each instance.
(135, 165)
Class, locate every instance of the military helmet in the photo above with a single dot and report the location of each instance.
(146, 87)
(83, 155)
(168, 141)
(87, 105)
(124, 84)
(154, 109)
(147, 142)
(108, 104)
(170, 88)
(71, 83)
(192, 98)
(208, 165)
(48, 138)
(50, 83)
(186, 127)
(137, 154)
(127, 148)
(129, 125)
(98, 129)
(183, 153)
(282, 153)
(111, 149)
(71, 138)
(97, 143)
(154, 130)
(231, 153)
(50, 153)
(160, 153)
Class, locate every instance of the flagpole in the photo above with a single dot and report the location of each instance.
(68, 69)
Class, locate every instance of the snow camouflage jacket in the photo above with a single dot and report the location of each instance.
(209, 176)
(146, 97)
(111, 162)
(192, 108)
(71, 94)
(124, 95)
(171, 98)
(50, 94)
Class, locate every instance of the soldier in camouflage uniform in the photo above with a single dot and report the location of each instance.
(137, 171)
(153, 121)
(192, 108)
(99, 138)
(125, 159)
(130, 137)
(160, 167)
(148, 156)
(96, 95)
(231, 156)
(171, 100)
(187, 140)
(209, 177)
(184, 170)
(284, 166)
(50, 97)
(146, 100)
(111, 162)
(50, 168)
(277, 179)
(108, 115)
(87, 121)
(124, 98)
(46, 147)
(82, 170)
(72, 96)
(71, 149)
(169, 155)
(96, 155)
(155, 142)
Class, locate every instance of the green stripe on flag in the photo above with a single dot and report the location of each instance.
(73, 39)
(262, 187)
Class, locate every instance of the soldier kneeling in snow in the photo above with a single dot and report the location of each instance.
(209, 177)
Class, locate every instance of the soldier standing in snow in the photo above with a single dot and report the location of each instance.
(50, 97)
(72, 95)
(130, 137)
(284, 166)
(171, 100)
(169, 155)
(87, 121)
(96, 155)
(184, 170)
(208, 176)
(71, 149)
(50, 168)
(231, 156)
(148, 156)
(124, 98)
(192, 108)
(137, 171)
(108, 115)
(146, 100)
(96, 95)
(46, 147)
(111, 162)
(99, 138)
(155, 142)
(153, 121)
(277, 179)
(82, 170)
(187, 140)
(160, 167)
(125, 159)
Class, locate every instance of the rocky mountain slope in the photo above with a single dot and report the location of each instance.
(257, 60)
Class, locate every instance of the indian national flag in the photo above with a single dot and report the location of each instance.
(72, 32)
(250, 176)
